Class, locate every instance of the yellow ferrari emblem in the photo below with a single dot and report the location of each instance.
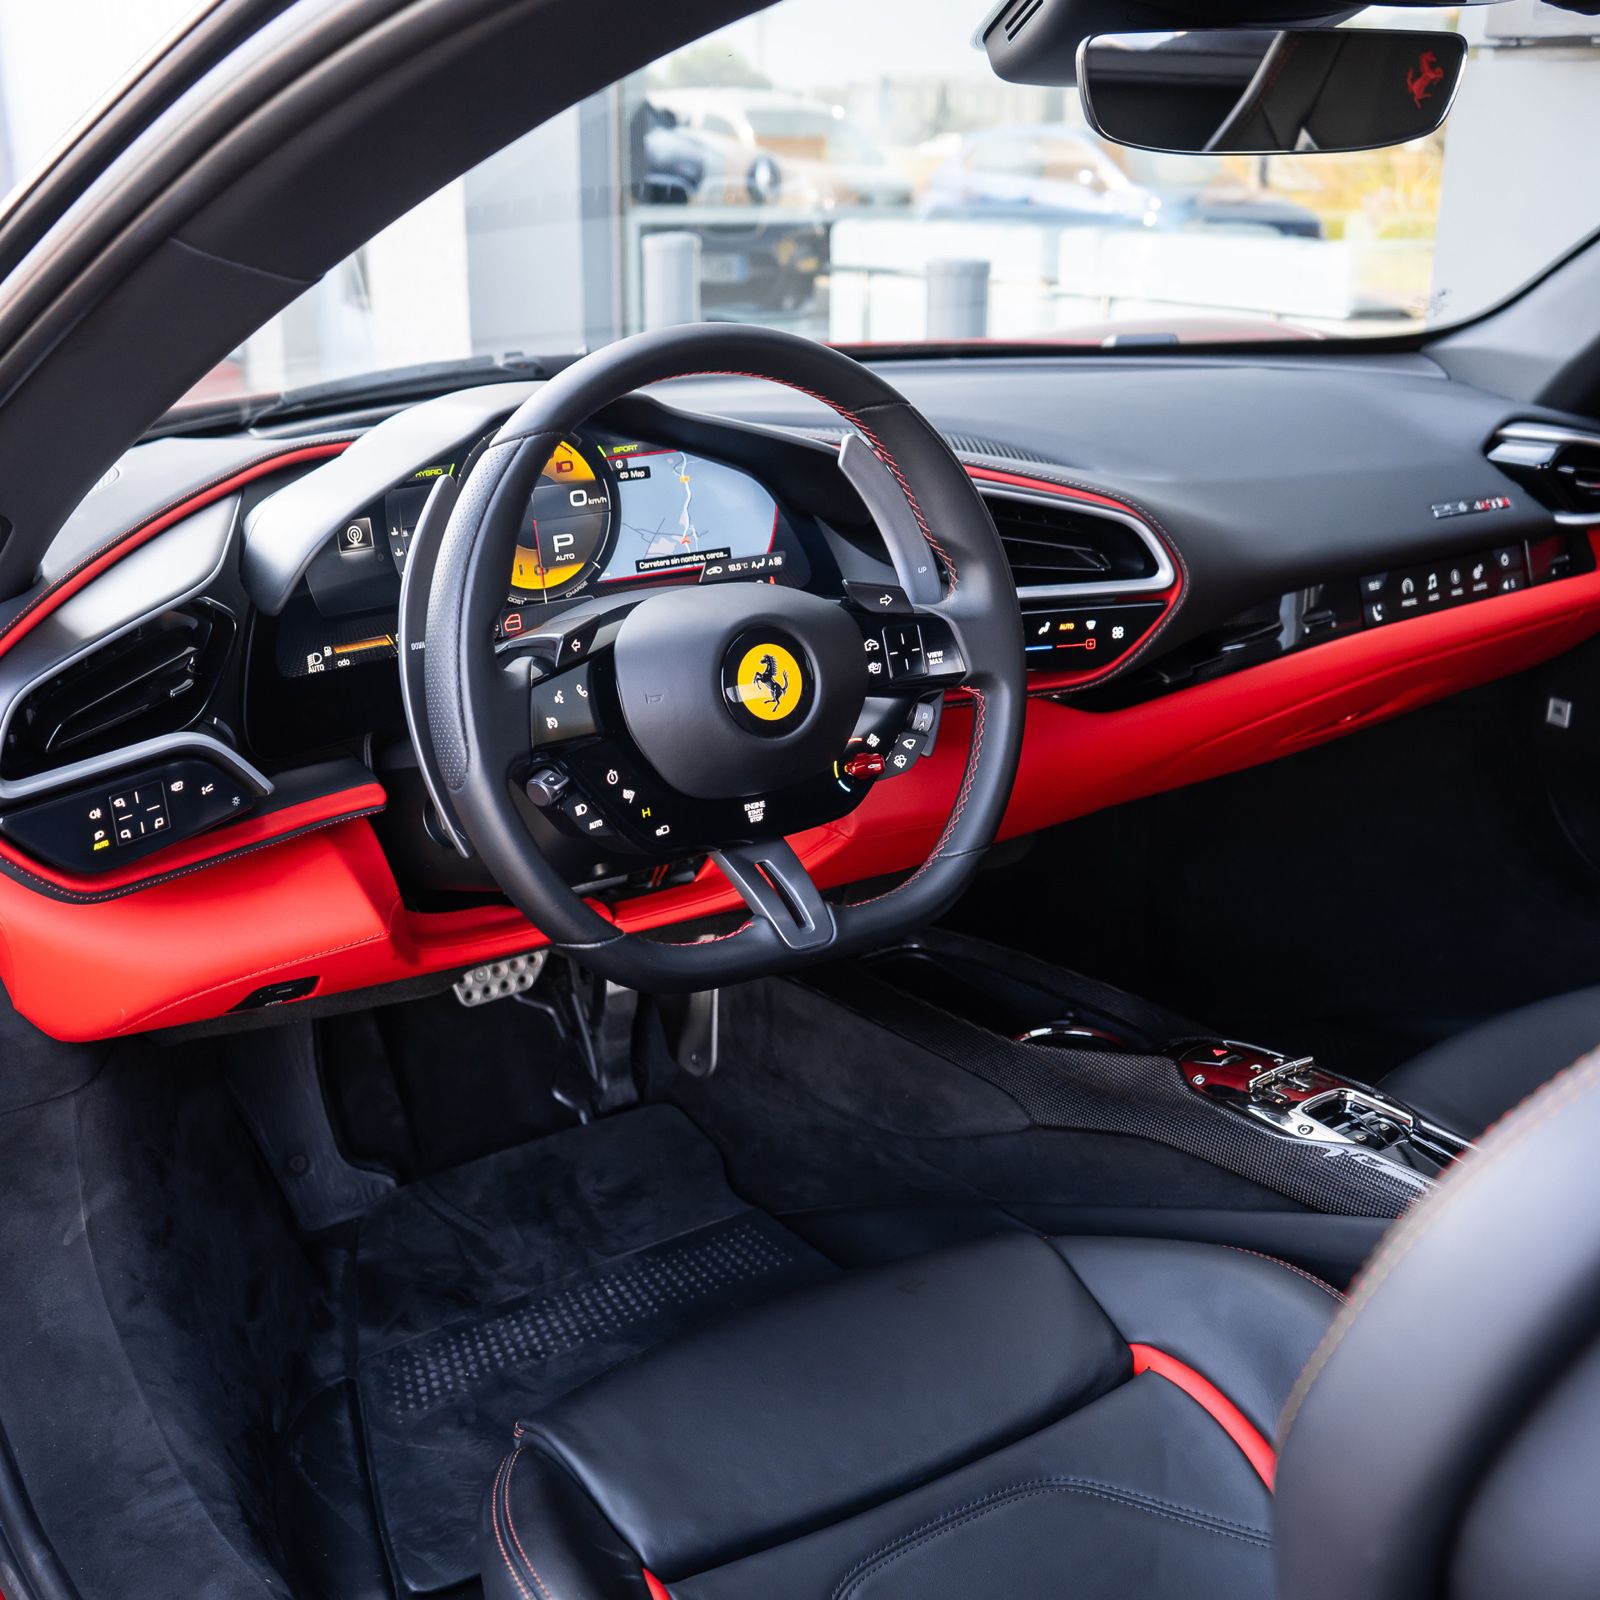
(768, 682)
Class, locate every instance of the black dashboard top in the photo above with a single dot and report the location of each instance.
(1268, 475)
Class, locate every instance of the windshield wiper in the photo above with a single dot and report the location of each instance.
(421, 381)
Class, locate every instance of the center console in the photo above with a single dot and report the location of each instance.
(1077, 1054)
(1301, 1100)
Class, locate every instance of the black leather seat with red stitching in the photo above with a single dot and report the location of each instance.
(968, 1423)
(975, 1423)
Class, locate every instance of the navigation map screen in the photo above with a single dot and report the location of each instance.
(607, 512)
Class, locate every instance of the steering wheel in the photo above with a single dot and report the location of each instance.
(720, 717)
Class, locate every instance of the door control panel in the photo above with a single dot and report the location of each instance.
(100, 828)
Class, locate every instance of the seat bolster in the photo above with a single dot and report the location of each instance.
(1469, 1081)
(543, 1538)
(793, 1415)
(1245, 1322)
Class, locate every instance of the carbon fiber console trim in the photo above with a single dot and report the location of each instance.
(1143, 1096)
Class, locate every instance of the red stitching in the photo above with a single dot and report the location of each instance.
(879, 448)
(499, 1538)
(1289, 1266)
(714, 938)
(511, 1523)
(963, 795)
(129, 539)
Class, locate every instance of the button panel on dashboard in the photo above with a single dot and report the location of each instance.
(1440, 585)
(1086, 637)
(94, 830)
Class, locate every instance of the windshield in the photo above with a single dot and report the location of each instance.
(58, 61)
(857, 173)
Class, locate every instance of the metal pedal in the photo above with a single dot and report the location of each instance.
(594, 1019)
(500, 980)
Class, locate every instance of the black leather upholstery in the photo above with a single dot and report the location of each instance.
(1239, 1318)
(953, 1425)
(1467, 1082)
(1434, 1440)
(971, 1423)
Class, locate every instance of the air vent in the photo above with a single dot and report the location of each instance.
(156, 679)
(1057, 548)
(1559, 467)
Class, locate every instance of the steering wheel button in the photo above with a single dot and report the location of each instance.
(546, 786)
(902, 645)
(563, 708)
(585, 816)
(882, 599)
(867, 765)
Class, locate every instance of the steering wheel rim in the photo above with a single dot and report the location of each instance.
(475, 697)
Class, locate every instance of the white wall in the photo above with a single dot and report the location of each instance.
(1522, 155)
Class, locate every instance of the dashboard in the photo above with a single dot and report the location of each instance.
(609, 513)
(202, 711)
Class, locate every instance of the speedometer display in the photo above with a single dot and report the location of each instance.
(567, 530)
(608, 511)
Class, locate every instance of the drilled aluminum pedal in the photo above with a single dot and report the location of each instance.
(499, 980)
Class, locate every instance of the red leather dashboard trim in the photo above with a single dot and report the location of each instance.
(1216, 1405)
(324, 903)
(97, 561)
(1075, 762)
(249, 833)
(1172, 596)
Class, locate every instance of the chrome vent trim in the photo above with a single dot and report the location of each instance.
(1161, 579)
(1528, 451)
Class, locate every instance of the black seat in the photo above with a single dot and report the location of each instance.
(1469, 1081)
(930, 1429)
(1025, 1418)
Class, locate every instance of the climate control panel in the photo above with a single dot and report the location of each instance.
(1086, 637)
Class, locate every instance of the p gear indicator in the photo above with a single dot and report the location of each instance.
(568, 524)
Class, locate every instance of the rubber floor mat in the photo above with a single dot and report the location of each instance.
(487, 1292)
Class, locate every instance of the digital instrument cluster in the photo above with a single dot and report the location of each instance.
(606, 512)
(610, 512)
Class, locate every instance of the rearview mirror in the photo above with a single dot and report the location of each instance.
(1242, 92)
